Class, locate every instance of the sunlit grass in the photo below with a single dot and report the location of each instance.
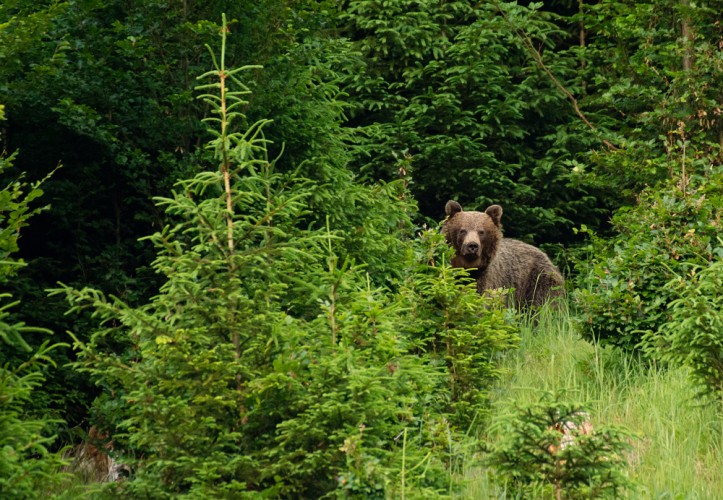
(678, 449)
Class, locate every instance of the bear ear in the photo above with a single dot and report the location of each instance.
(495, 213)
(452, 207)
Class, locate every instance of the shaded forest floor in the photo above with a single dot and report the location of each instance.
(678, 446)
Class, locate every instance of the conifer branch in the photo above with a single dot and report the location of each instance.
(332, 291)
(537, 57)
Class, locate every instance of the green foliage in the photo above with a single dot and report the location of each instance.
(15, 210)
(653, 87)
(453, 87)
(458, 329)
(549, 449)
(23, 30)
(678, 445)
(693, 337)
(300, 89)
(108, 88)
(561, 112)
(671, 231)
(663, 84)
(26, 464)
(268, 362)
(365, 407)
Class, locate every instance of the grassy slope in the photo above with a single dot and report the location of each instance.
(679, 450)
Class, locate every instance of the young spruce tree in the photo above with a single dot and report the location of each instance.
(549, 449)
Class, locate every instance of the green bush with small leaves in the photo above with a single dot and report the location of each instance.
(27, 461)
(270, 362)
(457, 328)
(670, 231)
(693, 337)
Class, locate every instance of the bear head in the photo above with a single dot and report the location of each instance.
(474, 235)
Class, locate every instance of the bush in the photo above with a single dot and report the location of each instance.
(26, 461)
(549, 449)
(694, 335)
(669, 232)
(452, 325)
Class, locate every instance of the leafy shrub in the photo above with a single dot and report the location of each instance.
(693, 336)
(637, 89)
(451, 87)
(666, 234)
(549, 449)
(27, 463)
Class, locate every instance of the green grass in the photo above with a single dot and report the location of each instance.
(678, 449)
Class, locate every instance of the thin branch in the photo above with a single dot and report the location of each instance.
(225, 162)
(537, 56)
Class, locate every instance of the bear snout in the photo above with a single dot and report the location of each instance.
(470, 250)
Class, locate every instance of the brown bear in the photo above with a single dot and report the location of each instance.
(498, 262)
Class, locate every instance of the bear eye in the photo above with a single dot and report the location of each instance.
(481, 232)
(463, 232)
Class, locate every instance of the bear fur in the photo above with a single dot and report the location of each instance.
(498, 262)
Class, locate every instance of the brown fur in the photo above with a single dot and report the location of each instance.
(500, 262)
